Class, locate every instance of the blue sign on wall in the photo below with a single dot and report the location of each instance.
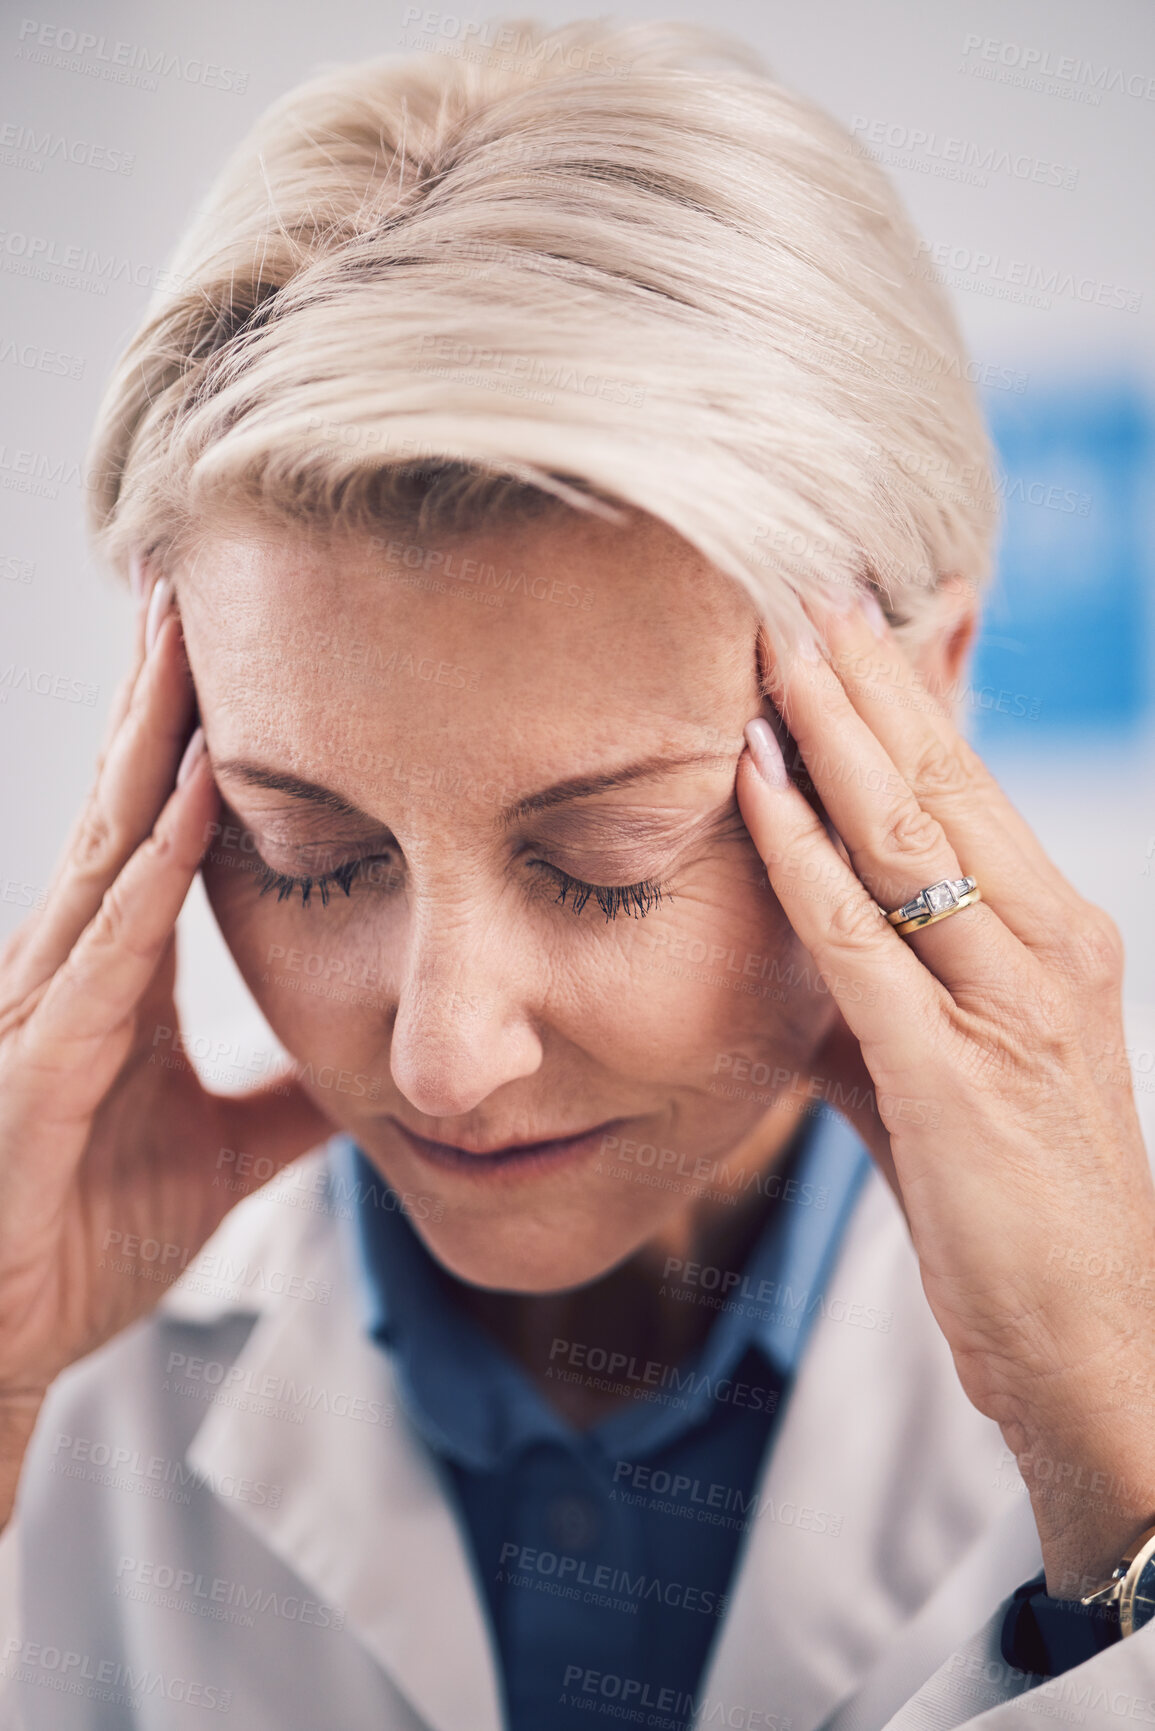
(1066, 625)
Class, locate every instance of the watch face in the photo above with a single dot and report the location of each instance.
(1137, 1600)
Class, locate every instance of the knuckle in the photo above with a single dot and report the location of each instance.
(110, 922)
(100, 846)
(160, 845)
(854, 920)
(940, 769)
(913, 835)
(1094, 951)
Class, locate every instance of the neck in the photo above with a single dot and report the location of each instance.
(632, 1310)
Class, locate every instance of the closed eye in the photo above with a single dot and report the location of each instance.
(374, 869)
(636, 900)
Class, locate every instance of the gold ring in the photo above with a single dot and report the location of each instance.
(929, 914)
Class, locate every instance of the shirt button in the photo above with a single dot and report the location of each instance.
(574, 1523)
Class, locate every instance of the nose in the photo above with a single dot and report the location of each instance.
(463, 1025)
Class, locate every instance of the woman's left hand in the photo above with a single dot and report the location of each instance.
(985, 1055)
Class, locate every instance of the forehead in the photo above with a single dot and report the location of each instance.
(479, 645)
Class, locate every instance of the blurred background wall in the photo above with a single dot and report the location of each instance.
(1020, 133)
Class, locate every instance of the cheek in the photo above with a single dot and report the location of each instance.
(717, 970)
(315, 974)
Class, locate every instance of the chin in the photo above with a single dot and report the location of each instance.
(526, 1262)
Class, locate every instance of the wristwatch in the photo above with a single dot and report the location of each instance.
(1131, 1589)
(1049, 1636)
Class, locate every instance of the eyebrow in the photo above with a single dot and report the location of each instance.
(561, 793)
(586, 786)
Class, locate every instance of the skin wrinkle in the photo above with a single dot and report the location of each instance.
(591, 834)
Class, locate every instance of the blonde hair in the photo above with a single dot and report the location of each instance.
(606, 266)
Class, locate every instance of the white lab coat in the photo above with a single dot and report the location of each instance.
(268, 1540)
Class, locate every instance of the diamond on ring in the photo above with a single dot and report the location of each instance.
(935, 901)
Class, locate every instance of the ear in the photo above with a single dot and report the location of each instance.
(943, 660)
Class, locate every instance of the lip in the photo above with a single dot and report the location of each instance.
(522, 1157)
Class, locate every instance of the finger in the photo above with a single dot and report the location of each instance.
(836, 918)
(862, 791)
(150, 606)
(895, 847)
(69, 1050)
(134, 780)
(22, 939)
(117, 710)
(948, 778)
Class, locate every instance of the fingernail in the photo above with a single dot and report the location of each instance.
(157, 608)
(136, 576)
(766, 752)
(808, 649)
(873, 614)
(193, 752)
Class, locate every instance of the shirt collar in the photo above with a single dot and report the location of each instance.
(473, 1402)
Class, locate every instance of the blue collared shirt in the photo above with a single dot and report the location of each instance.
(605, 1555)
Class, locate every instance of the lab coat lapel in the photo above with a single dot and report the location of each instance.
(882, 1478)
(357, 1510)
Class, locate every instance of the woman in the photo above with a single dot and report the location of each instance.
(558, 511)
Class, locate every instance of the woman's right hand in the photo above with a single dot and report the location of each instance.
(106, 1151)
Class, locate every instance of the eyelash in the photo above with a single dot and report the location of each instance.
(636, 900)
(633, 899)
(343, 877)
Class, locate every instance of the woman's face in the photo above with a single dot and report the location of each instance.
(465, 732)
